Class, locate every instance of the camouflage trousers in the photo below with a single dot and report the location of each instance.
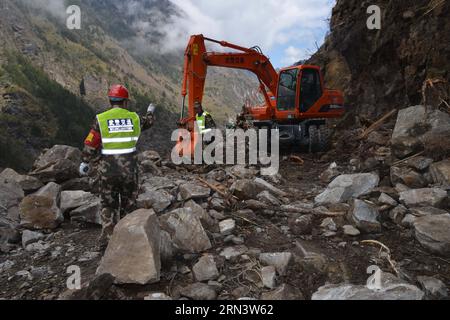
(118, 190)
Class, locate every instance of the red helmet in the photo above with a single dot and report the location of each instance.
(118, 91)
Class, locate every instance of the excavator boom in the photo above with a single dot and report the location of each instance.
(197, 60)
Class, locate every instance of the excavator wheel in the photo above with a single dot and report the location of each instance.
(318, 138)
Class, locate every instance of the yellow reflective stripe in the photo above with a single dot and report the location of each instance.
(117, 151)
(113, 140)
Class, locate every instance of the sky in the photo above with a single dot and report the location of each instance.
(286, 30)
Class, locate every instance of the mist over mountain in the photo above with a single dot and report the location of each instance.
(43, 64)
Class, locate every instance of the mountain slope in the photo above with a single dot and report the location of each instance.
(35, 43)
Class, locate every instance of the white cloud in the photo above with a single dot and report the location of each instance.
(293, 55)
(266, 23)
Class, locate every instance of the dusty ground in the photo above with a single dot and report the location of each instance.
(342, 258)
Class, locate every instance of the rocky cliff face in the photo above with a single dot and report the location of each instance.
(384, 69)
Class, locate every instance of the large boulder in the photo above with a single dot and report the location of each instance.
(41, 209)
(391, 288)
(432, 231)
(57, 164)
(27, 183)
(440, 172)
(133, 253)
(186, 231)
(365, 216)
(409, 127)
(347, 187)
(428, 197)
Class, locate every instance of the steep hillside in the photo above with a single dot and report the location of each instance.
(42, 61)
(384, 69)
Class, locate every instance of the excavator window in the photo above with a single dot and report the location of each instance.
(287, 91)
(310, 90)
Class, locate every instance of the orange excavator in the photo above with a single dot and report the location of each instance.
(296, 101)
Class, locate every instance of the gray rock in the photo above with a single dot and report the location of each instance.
(133, 253)
(328, 223)
(408, 221)
(301, 225)
(437, 137)
(88, 213)
(194, 191)
(426, 211)
(27, 183)
(428, 197)
(269, 276)
(77, 184)
(284, 292)
(434, 288)
(242, 172)
(157, 183)
(267, 198)
(199, 211)
(408, 177)
(351, 231)
(365, 216)
(166, 247)
(186, 231)
(255, 205)
(245, 189)
(158, 200)
(10, 196)
(441, 172)
(328, 175)
(419, 163)
(398, 214)
(347, 187)
(199, 291)
(7, 265)
(205, 269)
(29, 237)
(409, 126)
(280, 261)
(264, 185)
(433, 233)
(227, 226)
(233, 252)
(57, 164)
(74, 199)
(41, 209)
(392, 288)
(386, 199)
(157, 297)
(40, 246)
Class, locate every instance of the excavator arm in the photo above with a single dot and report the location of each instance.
(198, 59)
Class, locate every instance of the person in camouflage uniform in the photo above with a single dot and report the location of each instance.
(112, 144)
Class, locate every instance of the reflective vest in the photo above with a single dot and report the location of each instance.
(120, 130)
(201, 123)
